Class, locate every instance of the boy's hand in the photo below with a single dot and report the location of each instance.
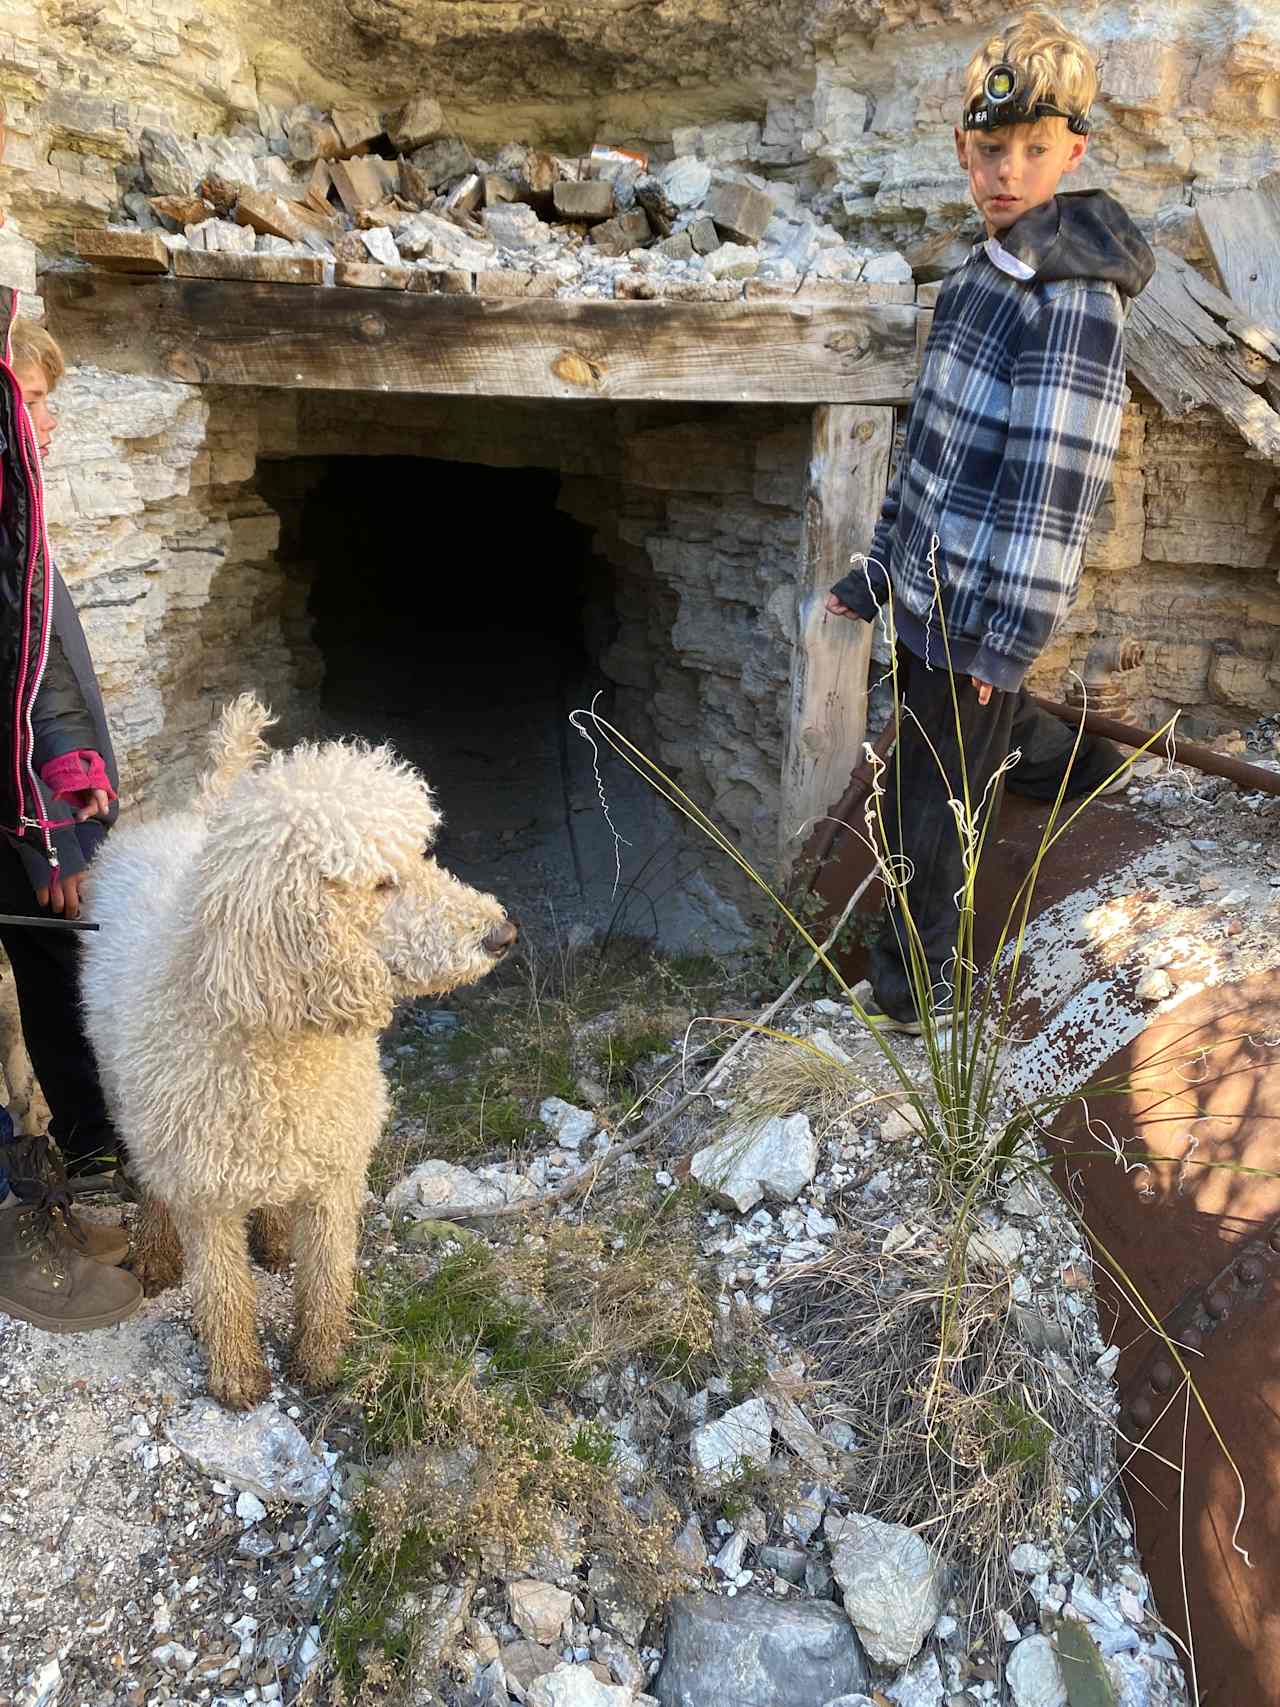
(835, 608)
(61, 895)
(985, 690)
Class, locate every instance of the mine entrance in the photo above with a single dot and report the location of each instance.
(460, 614)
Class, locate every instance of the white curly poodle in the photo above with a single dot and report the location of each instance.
(249, 955)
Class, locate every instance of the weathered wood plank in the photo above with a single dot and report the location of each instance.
(848, 472)
(1242, 229)
(273, 269)
(1187, 359)
(271, 335)
(138, 252)
(371, 275)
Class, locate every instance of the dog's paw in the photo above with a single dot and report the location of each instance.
(240, 1389)
(314, 1372)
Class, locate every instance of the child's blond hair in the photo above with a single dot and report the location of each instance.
(32, 346)
(1057, 66)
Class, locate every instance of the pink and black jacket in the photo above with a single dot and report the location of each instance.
(50, 705)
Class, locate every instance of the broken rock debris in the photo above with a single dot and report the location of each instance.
(604, 224)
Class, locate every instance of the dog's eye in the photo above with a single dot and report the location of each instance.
(386, 884)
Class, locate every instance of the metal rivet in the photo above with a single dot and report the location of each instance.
(1217, 1303)
(1161, 1377)
(1142, 1412)
(1192, 1338)
(1249, 1271)
(1274, 1240)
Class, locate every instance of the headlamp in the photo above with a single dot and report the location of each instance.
(1003, 103)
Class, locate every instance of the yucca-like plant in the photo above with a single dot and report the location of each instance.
(977, 1126)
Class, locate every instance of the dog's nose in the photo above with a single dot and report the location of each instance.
(500, 938)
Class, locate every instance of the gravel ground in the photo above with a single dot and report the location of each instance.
(126, 1575)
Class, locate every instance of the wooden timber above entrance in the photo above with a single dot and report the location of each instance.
(222, 332)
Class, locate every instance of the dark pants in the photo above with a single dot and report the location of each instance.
(927, 838)
(45, 970)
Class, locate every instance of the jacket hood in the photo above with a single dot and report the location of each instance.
(1082, 234)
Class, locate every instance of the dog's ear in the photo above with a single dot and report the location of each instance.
(277, 946)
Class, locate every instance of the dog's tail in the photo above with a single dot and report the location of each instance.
(235, 746)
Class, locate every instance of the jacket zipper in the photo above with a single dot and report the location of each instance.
(24, 701)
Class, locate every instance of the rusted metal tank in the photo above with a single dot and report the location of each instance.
(1197, 1234)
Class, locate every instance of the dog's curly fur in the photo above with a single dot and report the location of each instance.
(250, 953)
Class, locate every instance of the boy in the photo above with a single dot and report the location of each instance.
(1010, 440)
(56, 775)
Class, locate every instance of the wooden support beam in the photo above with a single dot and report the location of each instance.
(1180, 344)
(848, 473)
(203, 331)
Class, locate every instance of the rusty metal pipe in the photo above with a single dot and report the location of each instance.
(1251, 777)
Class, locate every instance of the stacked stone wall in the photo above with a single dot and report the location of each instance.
(843, 111)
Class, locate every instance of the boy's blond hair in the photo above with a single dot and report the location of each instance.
(1058, 67)
(34, 347)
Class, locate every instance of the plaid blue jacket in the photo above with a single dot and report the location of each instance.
(1011, 435)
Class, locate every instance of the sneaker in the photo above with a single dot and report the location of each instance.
(45, 1281)
(878, 1018)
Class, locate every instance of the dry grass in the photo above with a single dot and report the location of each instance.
(965, 1433)
(793, 1077)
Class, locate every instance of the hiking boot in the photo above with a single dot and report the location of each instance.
(33, 1159)
(43, 1278)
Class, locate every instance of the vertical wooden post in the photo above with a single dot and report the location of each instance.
(848, 473)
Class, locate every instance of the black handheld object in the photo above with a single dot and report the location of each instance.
(1004, 102)
(50, 924)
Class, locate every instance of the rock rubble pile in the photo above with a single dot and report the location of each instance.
(400, 201)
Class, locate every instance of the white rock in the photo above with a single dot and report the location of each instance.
(1034, 1675)
(728, 1560)
(249, 1508)
(433, 1184)
(571, 1126)
(382, 246)
(892, 1584)
(740, 1437)
(538, 1610)
(428, 236)
(803, 1517)
(823, 1041)
(993, 1247)
(1008, 1627)
(1029, 1561)
(774, 1157)
(733, 261)
(575, 1686)
(261, 1451)
(41, 1688)
(686, 181)
(1154, 985)
(922, 1686)
(514, 225)
(887, 269)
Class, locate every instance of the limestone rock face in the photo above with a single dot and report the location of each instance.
(857, 95)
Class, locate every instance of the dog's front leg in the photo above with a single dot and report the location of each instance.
(223, 1296)
(324, 1250)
